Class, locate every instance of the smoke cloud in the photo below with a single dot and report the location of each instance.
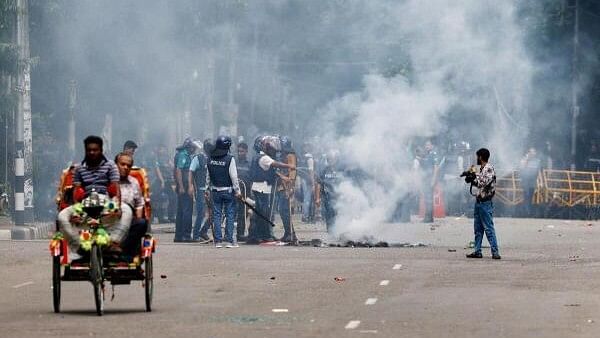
(467, 63)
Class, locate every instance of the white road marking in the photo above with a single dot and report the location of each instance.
(371, 301)
(384, 282)
(368, 331)
(353, 324)
(22, 285)
(397, 267)
(280, 310)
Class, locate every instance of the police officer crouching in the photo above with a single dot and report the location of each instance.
(223, 187)
(485, 181)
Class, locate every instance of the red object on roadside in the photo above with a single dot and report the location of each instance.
(439, 207)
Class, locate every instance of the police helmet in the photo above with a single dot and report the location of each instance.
(223, 142)
(286, 143)
(258, 143)
(222, 145)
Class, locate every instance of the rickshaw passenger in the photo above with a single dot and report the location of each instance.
(98, 173)
(131, 196)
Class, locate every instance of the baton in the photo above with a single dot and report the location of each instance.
(243, 200)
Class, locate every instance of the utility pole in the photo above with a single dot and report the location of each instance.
(575, 88)
(231, 110)
(210, 96)
(254, 73)
(72, 105)
(23, 139)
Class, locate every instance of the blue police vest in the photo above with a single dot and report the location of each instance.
(257, 174)
(218, 169)
(243, 168)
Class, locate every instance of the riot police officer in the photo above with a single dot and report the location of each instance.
(326, 196)
(243, 167)
(263, 176)
(222, 182)
(285, 189)
(197, 178)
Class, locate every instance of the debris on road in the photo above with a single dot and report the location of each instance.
(280, 310)
(573, 305)
(272, 278)
(339, 279)
(163, 276)
(451, 250)
(573, 258)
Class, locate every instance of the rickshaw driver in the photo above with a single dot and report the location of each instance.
(99, 174)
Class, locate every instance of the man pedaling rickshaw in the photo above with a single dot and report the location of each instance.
(100, 175)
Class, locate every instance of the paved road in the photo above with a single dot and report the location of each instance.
(546, 286)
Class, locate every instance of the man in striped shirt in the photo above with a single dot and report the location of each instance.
(99, 174)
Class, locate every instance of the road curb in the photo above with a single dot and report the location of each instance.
(31, 232)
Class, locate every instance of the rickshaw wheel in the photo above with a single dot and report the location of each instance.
(149, 286)
(97, 278)
(56, 283)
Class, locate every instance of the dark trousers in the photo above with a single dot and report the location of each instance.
(527, 208)
(183, 220)
(261, 229)
(241, 219)
(164, 204)
(197, 231)
(283, 206)
(132, 243)
(328, 212)
(428, 199)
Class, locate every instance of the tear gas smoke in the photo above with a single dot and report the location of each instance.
(467, 63)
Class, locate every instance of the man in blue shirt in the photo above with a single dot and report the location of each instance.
(197, 179)
(185, 192)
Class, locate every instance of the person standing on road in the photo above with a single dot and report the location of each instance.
(430, 167)
(485, 182)
(328, 180)
(306, 171)
(197, 179)
(130, 147)
(285, 189)
(243, 168)
(185, 192)
(222, 181)
(263, 175)
(530, 167)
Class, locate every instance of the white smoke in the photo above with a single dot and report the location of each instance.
(465, 57)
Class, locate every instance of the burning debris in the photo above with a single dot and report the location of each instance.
(365, 242)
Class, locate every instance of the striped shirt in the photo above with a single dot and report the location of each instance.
(97, 178)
